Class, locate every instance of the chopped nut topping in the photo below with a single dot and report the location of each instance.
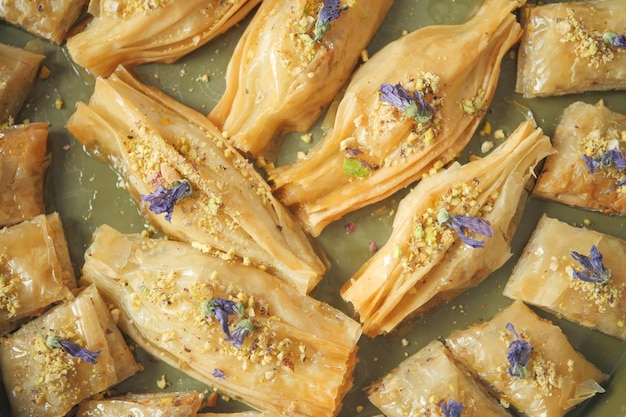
(597, 144)
(588, 44)
(429, 236)
(9, 298)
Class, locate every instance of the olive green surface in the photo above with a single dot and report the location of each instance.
(84, 190)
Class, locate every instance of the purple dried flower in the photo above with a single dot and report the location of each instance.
(219, 374)
(73, 349)
(330, 11)
(222, 308)
(518, 354)
(412, 105)
(163, 199)
(451, 408)
(593, 268)
(611, 158)
(614, 39)
(460, 223)
(243, 329)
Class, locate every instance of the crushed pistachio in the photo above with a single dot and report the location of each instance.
(301, 25)
(499, 134)
(56, 382)
(590, 45)
(475, 105)
(356, 167)
(133, 7)
(431, 237)
(486, 130)
(539, 372)
(602, 153)
(545, 376)
(9, 297)
(486, 146)
(44, 72)
(260, 344)
(162, 382)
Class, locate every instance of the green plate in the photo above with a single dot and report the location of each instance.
(84, 191)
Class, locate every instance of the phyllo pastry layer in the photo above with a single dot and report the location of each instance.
(160, 404)
(572, 47)
(527, 362)
(587, 170)
(18, 69)
(574, 272)
(68, 354)
(231, 326)
(49, 19)
(429, 382)
(23, 166)
(35, 269)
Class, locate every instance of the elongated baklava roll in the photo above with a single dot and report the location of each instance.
(234, 327)
(527, 362)
(68, 354)
(130, 33)
(588, 168)
(571, 47)
(449, 233)
(574, 272)
(288, 66)
(18, 69)
(165, 404)
(412, 107)
(429, 382)
(190, 183)
(35, 269)
(23, 165)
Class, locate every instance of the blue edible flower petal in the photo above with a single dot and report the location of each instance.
(222, 308)
(330, 11)
(451, 408)
(611, 158)
(219, 374)
(614, 39)
(593, 268)
(73, 349)
(243, 329)
(592, 164)
(518, 354)
(412, 105)
(163, 199)
(460, 223)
